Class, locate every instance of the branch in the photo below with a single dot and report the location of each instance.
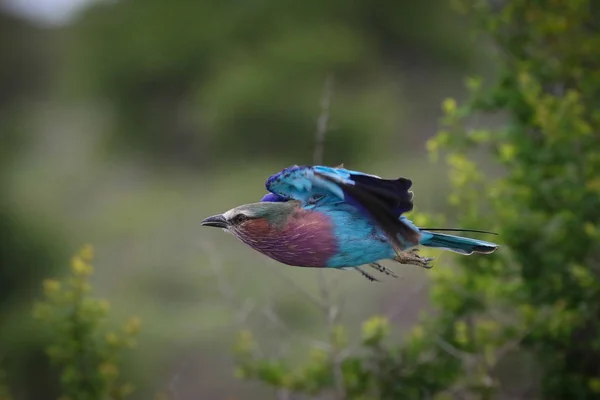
(323, 120)
(243, 309)
(317, 302)
(331, 311)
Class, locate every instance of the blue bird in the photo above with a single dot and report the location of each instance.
(332, 217)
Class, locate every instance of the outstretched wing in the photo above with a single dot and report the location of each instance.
(382, 200)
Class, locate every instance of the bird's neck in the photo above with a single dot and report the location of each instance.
(288, 213)
(299, 237)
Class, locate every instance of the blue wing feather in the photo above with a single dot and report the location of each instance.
(304, 182)
(382, 200)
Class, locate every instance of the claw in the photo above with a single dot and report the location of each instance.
(383, 269)
(411, 257)
(366, 275)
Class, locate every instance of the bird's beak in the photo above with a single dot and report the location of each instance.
(218, 221)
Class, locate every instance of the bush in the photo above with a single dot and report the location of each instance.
(538, 297)
(190, 80)
(87, 356)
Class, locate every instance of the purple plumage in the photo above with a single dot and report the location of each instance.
(273, 198)
(304, 238)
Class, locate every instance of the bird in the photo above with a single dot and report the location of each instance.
(331, 217)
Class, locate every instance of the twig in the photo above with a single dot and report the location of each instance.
(330, 310)
(398, 310)
(276, 320)
(471, 361)
(317, 302)
(174, 381)
(244, 309)
(323, 120)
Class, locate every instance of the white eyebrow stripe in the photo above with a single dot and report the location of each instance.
(228, 215)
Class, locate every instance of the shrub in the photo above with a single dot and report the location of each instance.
(87, 356)
(538, 297)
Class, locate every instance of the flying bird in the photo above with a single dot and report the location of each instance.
(332, 217)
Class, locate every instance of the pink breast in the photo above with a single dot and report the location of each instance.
(305, 240)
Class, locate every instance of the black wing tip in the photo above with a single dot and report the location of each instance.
(394, 192)
(405, 182)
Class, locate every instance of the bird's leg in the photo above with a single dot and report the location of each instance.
(366, 275)
(383, 269)
(411, 257)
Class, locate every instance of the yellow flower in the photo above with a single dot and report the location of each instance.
(133, 326)
(79, 267)
(507, 152)
(449, 105)
(418, 332)
(87, 252)
(112, 338)
(51, 286)
(375, 329)
(245, 342)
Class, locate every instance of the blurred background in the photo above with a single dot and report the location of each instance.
(124, 123)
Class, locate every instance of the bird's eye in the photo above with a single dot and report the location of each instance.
(238, 219)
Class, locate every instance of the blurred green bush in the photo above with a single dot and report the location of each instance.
(524, 321)
(215, 81)
(87, 357)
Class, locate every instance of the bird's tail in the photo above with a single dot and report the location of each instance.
(457, 244)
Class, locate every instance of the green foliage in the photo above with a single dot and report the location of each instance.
(378, 370)
(539, 295)
(546, 206)
(30, 248)
(87, 356)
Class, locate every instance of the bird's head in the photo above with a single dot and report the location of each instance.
(252, 218)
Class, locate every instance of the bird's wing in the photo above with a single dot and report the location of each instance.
(382, 200)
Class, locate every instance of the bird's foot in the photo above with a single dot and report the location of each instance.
(366, 275)
(412, 257)
(383, 269)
